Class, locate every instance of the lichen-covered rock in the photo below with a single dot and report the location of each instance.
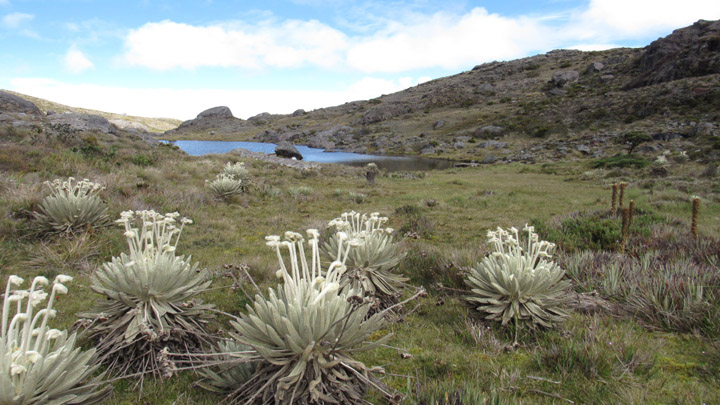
(14, 104)
(82, 122)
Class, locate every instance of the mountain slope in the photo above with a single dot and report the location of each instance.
(563, 103)
(121, 120)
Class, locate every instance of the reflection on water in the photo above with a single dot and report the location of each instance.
(388, 163)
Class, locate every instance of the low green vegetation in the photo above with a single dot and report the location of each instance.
(639, 296)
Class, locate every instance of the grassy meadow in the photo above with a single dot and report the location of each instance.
(622, 350)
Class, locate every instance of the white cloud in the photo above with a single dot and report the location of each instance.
(185, 103)
(608, 19)
(15, 20)
(449, 41)
(76, 61)
(405, 42)
(291, 43)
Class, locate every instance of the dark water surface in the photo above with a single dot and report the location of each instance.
(388, 163)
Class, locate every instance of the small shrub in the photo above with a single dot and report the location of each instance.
(141, 160)
(518, 284)
(416, 224)
(71, 207)
(43, 365)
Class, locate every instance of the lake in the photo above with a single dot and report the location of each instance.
(387, 163)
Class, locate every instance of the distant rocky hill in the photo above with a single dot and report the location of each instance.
(143, 124)
(561, 104)
(19, 115)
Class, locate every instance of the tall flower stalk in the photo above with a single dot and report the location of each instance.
(370, 266)
(39, 364)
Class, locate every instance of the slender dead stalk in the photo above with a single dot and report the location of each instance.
(695, 212)
(613, 201)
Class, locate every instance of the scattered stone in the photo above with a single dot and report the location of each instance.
(606, 78)
(557, 92)
(584, 149)
(485, 89)
(459, 145)
(321, 142)
(298, 112)
(287, 150)
(666, 136)
(703, 129)
(562, 79)
(659, 171)
(594, 67)
(488, 131)
(427, 150)
(489, 160)
(438, 124)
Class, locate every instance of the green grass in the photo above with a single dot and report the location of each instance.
(455, 358)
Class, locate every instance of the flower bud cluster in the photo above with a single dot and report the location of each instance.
(357, 225)
(156, 234)
(299, 272)
(236, 170)
(81, 189)
(507, 243)
(25, 334)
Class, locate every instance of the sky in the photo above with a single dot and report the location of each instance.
(176, 58)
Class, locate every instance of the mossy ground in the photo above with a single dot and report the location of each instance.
(455, 358)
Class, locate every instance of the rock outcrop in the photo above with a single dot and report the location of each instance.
(82, 122)
(687, 52)
(10, 103)
(216, 120)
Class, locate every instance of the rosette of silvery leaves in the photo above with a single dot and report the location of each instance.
(370, 266)
(38, 364)
(150, 297)
(72, 206)
(297, 342)
(518, 281)
(226, 185)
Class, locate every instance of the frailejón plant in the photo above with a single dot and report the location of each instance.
(370, 265)
(225, 186)
(72, 206)
(40, 365)
(518, 281)
(150, 296)
(303, 333)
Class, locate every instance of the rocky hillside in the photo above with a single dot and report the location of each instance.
(21, 118)
(562, 104)
(143, 124)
